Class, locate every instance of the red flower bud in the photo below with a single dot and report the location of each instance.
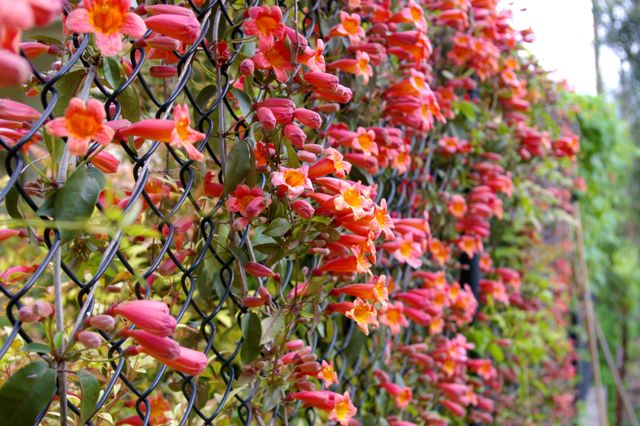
(105, 162)
(102, 322)
(247, 67)
(266, 118)
(89, 339)
(295, 135)
(259, 270)
(163, 71)
(303, 208)
(308, 118)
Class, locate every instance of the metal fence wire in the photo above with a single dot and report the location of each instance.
(227, 396)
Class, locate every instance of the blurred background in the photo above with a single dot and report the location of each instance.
(595, 46)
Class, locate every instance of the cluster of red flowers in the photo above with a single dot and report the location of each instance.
(329, 119)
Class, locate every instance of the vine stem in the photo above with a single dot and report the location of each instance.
(57, 271)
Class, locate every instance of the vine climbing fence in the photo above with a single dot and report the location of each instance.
(265, 294)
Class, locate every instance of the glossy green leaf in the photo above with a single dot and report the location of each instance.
(244, 101)
(238, 166)
(130, 103)
(90, 392)
(252, 333)
(26, 394)
(76, 200)
(36, 347)
(278, 227)
(111, 70)
(67, 88)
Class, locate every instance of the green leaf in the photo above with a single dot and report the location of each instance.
(111, 70)
(90, 392)
(26, 394)
(468, 109)
(67, 87)
(252, 333)
(130, 103)
(243, 100)
(239, 164)
(58, 338)
(278, 227)
(271, 327)
(35, 347)
(77, 198)
(11, 204)
(496, 352)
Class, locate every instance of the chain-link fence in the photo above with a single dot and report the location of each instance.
(182, 251)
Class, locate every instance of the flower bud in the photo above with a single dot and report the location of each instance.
(264, 294)
(308, 367)
(306, 156)
(306, 386)
(266, 118)
(247, 67)
(43, 309)
(295, 135)
(259, 270)
(89, 339)
(26, 314)
(148, 315)
(294, 345)
(102, 322)
(162, 43)
(308, 118)
(162, 347)
(179, 26)
(313, 147)
(253, 302)
(163, 71)
(105, 162)
(303, 208)
(330, 107)
(16, 111)
(14, 69)
(322, 80)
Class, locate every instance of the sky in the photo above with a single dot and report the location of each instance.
(564, 41)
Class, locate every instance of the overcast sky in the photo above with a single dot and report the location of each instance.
(564, 40)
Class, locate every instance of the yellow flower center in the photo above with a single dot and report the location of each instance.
(416, 13)
(82, 124)
(404, 397)
(406, 249)
(361, 313)
(182, 127)
(294, 178)
(352, 197)
(365, 141)
(266, 25)
(350, 25)
(107, 17)
(393, 316)
(343, 409)
(328, 373)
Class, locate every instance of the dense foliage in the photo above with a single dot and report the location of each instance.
(352, 212)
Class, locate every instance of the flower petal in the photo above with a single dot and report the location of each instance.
(109, 45)
(134, 25)
(78, 21)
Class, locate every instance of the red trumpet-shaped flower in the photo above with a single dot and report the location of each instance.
(82, 123)
(249, 202)
(107, 20)
(148, 315)
(158, 347)
(265, 22)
